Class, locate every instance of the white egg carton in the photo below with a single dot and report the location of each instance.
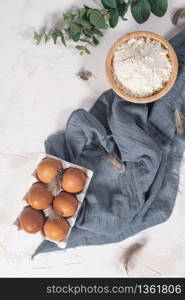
(54, 188)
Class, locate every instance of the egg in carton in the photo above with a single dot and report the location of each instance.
(55, 188)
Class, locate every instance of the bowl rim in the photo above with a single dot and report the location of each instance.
(172, 56)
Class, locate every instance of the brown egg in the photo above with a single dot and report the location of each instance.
(56, 229)
(65, 204)
(39, 197)
(47, 169)
(73, 180)
(31, 220)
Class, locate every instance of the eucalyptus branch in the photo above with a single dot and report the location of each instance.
(85, 25)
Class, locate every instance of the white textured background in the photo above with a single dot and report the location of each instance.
(38, 91)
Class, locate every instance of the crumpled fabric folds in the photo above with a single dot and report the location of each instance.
(142, 140)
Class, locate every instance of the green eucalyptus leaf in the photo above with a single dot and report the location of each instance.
(62, 38)
(140, 10)
(123, 8)
(87, 50)
(97, 32)
(97, 19)
(109, 3)
(114, 16)
(57, 31)
(66, 16)
(121, 2)
(68, 31)
(54, 37)
(159, 7)
(37, 37)
(79, 47)
(87, 33)
(85, 24)
(82, 13)
(76, 36)
(74, 32)
(86, 41)
(46, 37)
(87, 7)
(95, 40)
(89, 12)
(74, 28)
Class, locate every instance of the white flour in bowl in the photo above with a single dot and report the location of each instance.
(141, 67)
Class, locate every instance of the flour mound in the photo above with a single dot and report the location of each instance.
(141, 67)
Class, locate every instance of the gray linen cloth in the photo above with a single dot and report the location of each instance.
(143, 137)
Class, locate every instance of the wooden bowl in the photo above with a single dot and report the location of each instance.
(172, 57)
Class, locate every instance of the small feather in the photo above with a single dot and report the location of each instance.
(180, 122)
(116, 163)
(17, 223)
(54, 187)
(84, 74)
(128, 254)
(179, 17)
